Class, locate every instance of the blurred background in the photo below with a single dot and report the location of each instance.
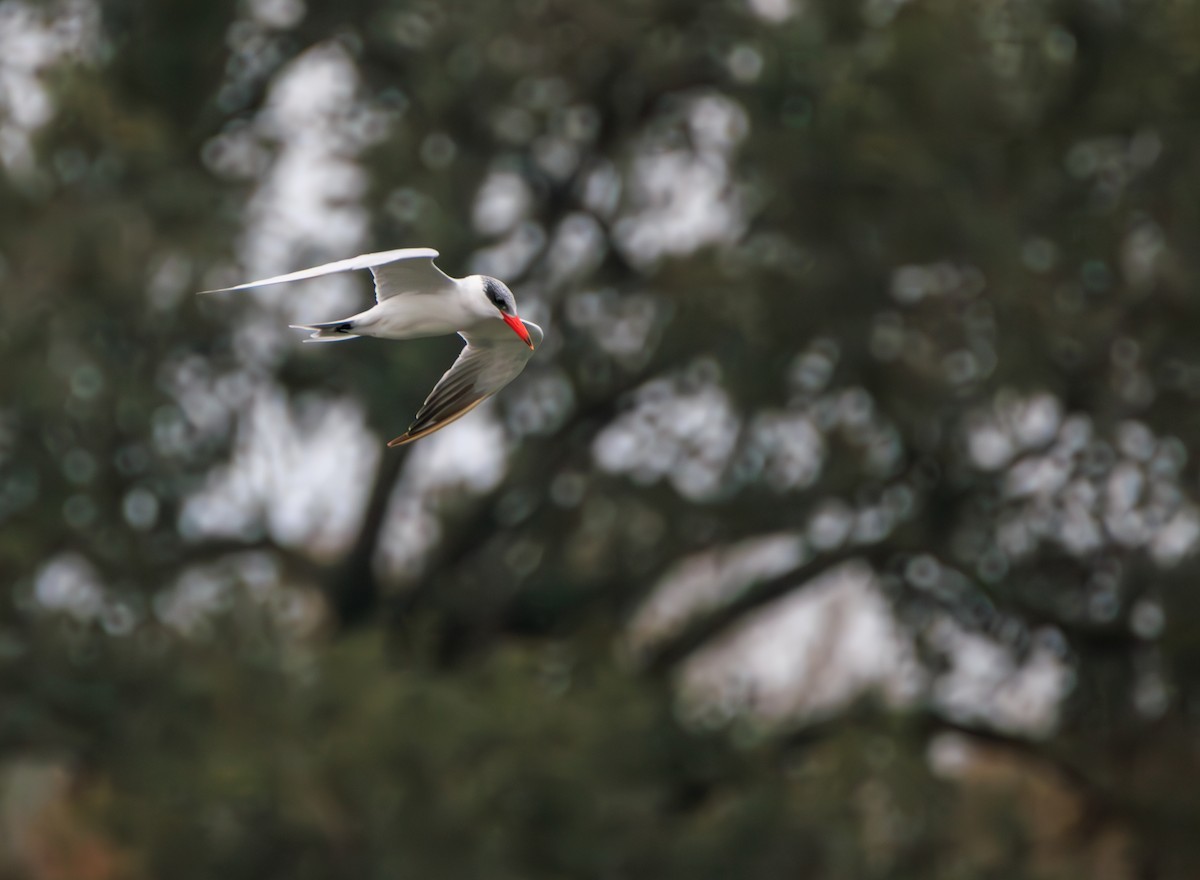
(844, 525)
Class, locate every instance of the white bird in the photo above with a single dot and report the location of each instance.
(414, 298)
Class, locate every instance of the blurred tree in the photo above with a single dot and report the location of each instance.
(845, 523)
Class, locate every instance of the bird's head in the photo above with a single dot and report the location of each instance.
(501, 297)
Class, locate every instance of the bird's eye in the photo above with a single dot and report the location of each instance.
(496, 295)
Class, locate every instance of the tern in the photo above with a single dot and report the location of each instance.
(414, 298)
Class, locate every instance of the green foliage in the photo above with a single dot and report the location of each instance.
(891, 229)
(531, 765)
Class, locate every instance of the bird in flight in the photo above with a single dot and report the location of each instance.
(414, 298)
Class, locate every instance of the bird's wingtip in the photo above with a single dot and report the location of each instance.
(222, 289)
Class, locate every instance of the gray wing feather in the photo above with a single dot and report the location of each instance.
(486, 364)
(410, 274)
(404, 270)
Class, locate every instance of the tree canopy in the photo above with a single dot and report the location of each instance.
(844, 525)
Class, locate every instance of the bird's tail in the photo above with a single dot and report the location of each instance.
(333, 331)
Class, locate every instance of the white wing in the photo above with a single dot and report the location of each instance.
(406, 270)
(492, 357)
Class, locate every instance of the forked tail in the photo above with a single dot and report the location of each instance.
(333, 331)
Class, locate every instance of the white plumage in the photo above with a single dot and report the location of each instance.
(414, 298)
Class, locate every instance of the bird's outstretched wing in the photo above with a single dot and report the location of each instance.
(491, 359)
(406, 270)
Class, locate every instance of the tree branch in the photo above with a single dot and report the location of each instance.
(706, 627)
(352, 586)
